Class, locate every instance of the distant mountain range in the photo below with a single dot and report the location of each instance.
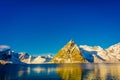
(70, 53)
(7, 56)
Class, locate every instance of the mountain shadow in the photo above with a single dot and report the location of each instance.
(90, 55)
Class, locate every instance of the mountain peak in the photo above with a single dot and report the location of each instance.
(70, 44)
(70, 53)
(71, 41)
(4, 47)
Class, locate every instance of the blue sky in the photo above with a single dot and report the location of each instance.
(38, 27)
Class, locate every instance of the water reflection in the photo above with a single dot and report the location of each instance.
(70, 72)
(39, 69)
(28, 72)
(102, 72)
(60, 72)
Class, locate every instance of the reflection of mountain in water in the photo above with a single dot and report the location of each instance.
(60, 72)
(102, 72)
(70, 72)
(28, 72)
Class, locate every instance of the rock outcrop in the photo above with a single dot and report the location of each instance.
(70, 53)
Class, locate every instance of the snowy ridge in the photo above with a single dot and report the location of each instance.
(7, 56)
(114, 52)
(70, 53)
(97, 54)
(28, 59)
(4, 48)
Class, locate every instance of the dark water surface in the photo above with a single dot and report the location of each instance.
(60, 72)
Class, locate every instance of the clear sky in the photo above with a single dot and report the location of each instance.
(44, 26)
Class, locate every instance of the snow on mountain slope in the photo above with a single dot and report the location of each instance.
(114, 52)
(38, 60)
(8, 56)
(4, 48)
(69, 53)
(25, 58)
(93, 54)
(97, 54)
(28, 59)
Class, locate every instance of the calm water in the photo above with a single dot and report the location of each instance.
(60, 72)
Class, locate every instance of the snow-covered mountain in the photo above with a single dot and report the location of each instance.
(97, 54)
(28, 59)
(70, 53)
(4, 48)
(114, 53)
(93, 54)
(9, 56)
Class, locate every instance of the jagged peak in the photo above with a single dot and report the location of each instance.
(91, 48)
(71, 41)
(4, 48)
(70, 44)
(68, 54)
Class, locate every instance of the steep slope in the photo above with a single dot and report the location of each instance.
(97, 54)
(24, 57)
(70, 53)
(7, 56)
(94, 54)
(28, 59)
(38, 60)
(4, 48)
(114, 52)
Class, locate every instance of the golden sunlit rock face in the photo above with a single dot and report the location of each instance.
(71, 72)
(70, 53)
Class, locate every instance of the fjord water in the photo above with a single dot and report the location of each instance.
(60, 72)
